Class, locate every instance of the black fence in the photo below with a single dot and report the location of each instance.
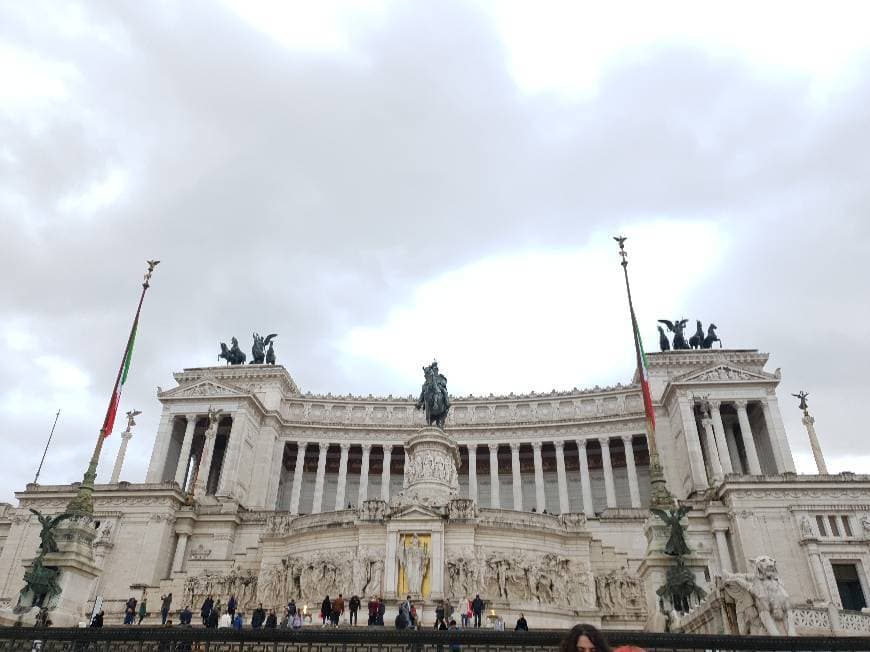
(363, 639)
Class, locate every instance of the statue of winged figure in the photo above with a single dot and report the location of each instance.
(676, 545)
(676, 327)
(802, 397)
(131, 418)
(258, 351)
(48, 524)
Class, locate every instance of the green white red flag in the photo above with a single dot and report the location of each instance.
(109, 421)
(643, 372)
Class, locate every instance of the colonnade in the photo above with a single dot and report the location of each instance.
(195, 479)
(319, 501)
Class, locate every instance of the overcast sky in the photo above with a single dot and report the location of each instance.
(381, 183)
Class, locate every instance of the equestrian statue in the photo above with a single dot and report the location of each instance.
(433, 397)
(258, 351)
(233, 355)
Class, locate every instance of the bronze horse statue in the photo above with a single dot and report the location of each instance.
(434, 397)
(707, 342)
(698, 338)
(233, 355)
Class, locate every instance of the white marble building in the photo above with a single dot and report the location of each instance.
(297, 495)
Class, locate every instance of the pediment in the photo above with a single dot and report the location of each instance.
(723, 373)
(204, 388)
(411, 512)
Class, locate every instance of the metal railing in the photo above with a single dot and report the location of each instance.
(365, 639)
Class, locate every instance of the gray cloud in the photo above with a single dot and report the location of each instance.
(308, 194)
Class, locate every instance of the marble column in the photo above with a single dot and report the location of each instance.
(776, 432)
(585, 481)
(722, 550)
(731, 438)
(126, 436)
(364, 473)
(564, 506)
(540, 496)
(631, 470)
(472, 472)
(609, 489)
(319, 478)
(385, 472)
(404, 468)
(184, 456)
(232, 455)
(180, 549)
(819, 579)
(200, 486)
(296, 491)
(342, 478)
(748, 438)
(693, 444)
(712, 453)
(809, 423)
(719, 433)
(494, 493)
(517, 476)
(161, 448)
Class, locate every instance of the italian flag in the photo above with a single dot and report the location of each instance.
(109, 422)
(643, 372)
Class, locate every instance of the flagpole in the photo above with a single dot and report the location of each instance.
(47, 444)
(660, 496)
(83, 502)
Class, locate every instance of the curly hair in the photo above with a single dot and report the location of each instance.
(569, 643)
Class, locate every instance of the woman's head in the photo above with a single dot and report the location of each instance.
(584, 638)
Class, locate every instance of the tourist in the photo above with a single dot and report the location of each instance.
(130, 611)
(291, 611)
(325, 610)
(143, 610)
(353, 606)
(296, 623)
(499, 624)
(412, 612)
(98, 619)
(382, 609)
(238, 621)
(439, 615)
(522, 625)
(258, 617)
(337, 609)
(207, 606)
(465, 611)
(232, 603)
(225, 621)
(477, 609)
(403, 618)
(271, 619)
(373, 611)
(165, 606)
(584, 638)
(213, 618)
(185, 616)
(454, 646)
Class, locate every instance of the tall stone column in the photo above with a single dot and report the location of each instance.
(232, 455)
(719, 433)
(731, 438)
(319, 478)
(126, 436)
(385, 472)
(564, 506)
(693, 444)
(776, 431)
(296, 491)
(585, 481)
(200, 486)
(364, 473)
(609, 489)
(161, 448)
(712, 453)
(809, 422)
(184, 456)
(631, 469)
(180, 549)
(722, 549)
(748, 438)
(494, 493)
(819, 578)
(472, 472)
(540, 496)
(342, 478)
(516, 476)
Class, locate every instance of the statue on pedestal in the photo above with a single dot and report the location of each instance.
(233, 354)
(414, 560)
(433, 396)
(676, 327)
(258, 351)
(676, 545)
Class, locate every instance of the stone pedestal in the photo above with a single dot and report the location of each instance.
(75, 561)
(431, 474)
